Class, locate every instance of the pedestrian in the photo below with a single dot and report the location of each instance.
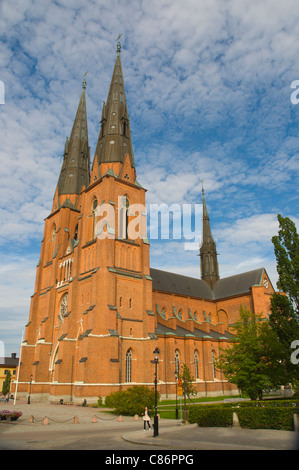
(6, 398)
(146, 419)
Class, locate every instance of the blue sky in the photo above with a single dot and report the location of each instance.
(208, 86)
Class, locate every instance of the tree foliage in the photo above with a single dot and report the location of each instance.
(6, 383)
(286, 249)
(189, 389)
(245, 362)
(284, 319)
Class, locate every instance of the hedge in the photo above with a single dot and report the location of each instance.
(267, 418)
(251, 415)
(210, 416)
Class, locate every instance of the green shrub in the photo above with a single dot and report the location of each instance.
(252, 415)
(210, 416)
(100, 401)
(266, 418)
(131, 401)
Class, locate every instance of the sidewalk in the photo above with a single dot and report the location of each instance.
(192, 437)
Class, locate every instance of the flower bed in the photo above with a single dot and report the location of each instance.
(7, 415)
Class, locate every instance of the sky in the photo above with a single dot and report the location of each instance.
(208, 87)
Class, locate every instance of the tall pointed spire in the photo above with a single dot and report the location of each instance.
(114, 141)
(208, 251)
(75, 170)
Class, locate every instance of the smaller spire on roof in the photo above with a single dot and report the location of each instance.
(208, 252)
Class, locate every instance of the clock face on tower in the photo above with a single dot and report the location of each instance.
(63, 305)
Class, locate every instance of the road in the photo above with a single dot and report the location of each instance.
(95, 438)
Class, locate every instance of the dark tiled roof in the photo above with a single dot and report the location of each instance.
(178, 284)
(9, 361)
(184, 285)
(238, 284)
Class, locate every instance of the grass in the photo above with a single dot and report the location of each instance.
(196, 400)
(166, 408)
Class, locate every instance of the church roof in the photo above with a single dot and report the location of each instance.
(193, 287)
(197, 333)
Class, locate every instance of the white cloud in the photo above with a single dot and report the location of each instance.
(208, 91)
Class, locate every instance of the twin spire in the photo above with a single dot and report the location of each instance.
(75, 170)
(114, 146)
(114, 141)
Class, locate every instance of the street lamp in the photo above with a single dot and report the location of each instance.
(176, 373)
(28, 401)
(156, 420)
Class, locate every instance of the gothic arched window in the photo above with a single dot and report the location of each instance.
(93, 213)
(124, 218)
(196, 364)
(129, 366)
(63, 305)
(177, 361)
(213, 364)
(53, 240)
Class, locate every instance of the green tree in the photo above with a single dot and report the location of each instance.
(188, 387)
(286, 249)
(6, 384)
(284, 318)
(244, 362)
(187, 379)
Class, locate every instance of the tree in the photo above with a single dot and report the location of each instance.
(286, 249)
(244, 362)
(188, 389)
(187, 380)
(284, 318)
(6, 384)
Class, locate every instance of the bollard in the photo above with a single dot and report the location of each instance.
(120, 418)
(46, 420)
(236, 423)
(136, 417)
(94, 419)
(296, 422)
(76, 420)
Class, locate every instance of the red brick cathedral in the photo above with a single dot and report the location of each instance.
(98, 310)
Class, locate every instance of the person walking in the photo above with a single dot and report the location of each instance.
(146, 419)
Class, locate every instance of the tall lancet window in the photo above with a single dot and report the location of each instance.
(213, 364)
(93, 214)
(129, 366)
(124, 217)
(177, 361)
(196, 364)
(54, 240)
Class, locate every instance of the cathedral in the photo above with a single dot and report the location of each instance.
(99, 311)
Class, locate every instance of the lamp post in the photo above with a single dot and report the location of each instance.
(176, 373)
(28, 401)
(156, 420)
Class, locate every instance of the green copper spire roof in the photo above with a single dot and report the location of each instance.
(75, 170)
(114, 141)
